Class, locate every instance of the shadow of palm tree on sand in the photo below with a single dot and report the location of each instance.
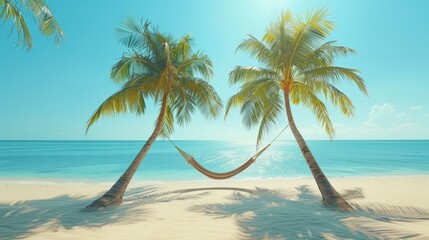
(271, 214)
(260, 214)
(22, 219)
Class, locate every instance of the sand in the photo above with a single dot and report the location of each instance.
(386, 208)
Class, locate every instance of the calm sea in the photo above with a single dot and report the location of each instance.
(106, 160)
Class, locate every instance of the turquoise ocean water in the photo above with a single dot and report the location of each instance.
(83, 161)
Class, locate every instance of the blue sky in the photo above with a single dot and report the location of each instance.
(50, 92)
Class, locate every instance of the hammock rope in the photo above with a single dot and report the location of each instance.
(220, 176)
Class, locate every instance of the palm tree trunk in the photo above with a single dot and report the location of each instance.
(329, 194)
(114, 195)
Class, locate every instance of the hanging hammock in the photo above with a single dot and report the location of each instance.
(220, 176)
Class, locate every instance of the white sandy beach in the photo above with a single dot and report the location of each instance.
(387, 207)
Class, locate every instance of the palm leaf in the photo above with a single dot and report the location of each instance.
(47, 23)
(126, 99)
(269, 118)
(297, 61)
(317, 19)
(197, 63)
(131, 32)
(182, 104)
(259, 96)
(335, 74)
(168, 122)
(160, 65)
(204, 95)
(256, 49)
(243, 74)
(131, 63)
(11, 12)
(301, 93)
(325, 55)
(338, 98)
(278, 28)
(235, 101)
(306, 37)
(184, 46)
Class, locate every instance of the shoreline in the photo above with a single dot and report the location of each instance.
(59, 181)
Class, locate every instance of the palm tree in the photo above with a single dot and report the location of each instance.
(298, 68)
(48, 25)
(162, 68)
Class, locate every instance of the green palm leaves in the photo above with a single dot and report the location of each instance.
(48, 25)
(160, 67)
(297, 64)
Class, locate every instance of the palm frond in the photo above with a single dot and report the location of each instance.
(258, 97)
(160, 65)
(197, 63)
(297, 60)
(168, 122)
(317, 20)
(131, 32)
(335, 74)
(269, 118)
(235, 100)
(339, 99)
(278, 28)
(244, 74)
(325, 55)
(184, 46)
(304, 41)
(256, 49)
(48, 25)
(301, 93)
(146, 83)
(126, 99)
(204, 95)
(11, 12)
(251, 111)
(132, 63)
(182, 104)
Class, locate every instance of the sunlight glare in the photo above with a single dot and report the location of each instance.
(267, 7)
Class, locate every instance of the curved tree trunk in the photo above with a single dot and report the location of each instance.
(329, 194)
(114, 195)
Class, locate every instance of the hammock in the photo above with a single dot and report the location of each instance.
(220, 176)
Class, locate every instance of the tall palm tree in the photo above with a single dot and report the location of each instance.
(162, 68)
(298, 68)
(48, 25)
